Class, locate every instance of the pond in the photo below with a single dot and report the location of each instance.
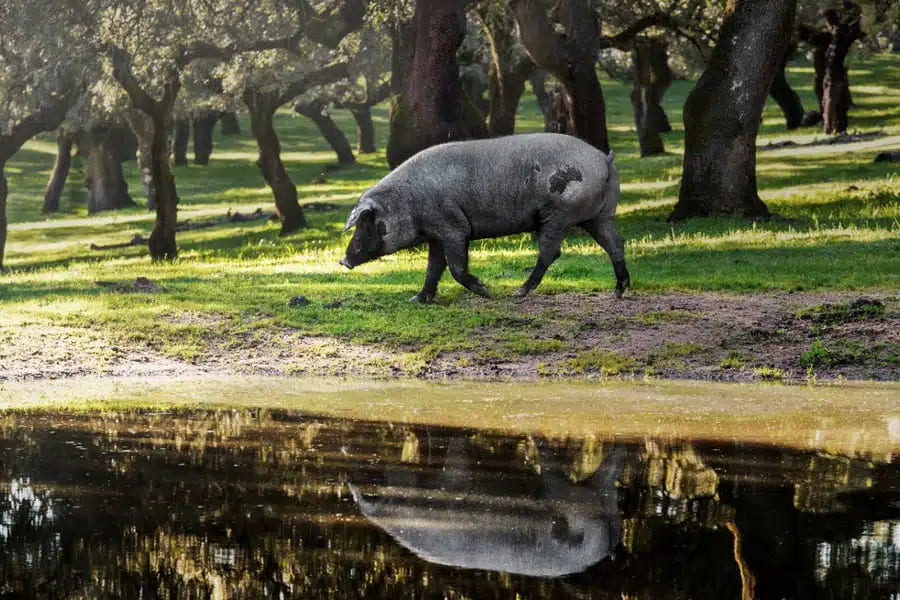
(267, 488)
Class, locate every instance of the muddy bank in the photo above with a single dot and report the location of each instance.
(782, 336)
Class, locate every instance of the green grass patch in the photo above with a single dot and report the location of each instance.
(606, 362)
(862, 309)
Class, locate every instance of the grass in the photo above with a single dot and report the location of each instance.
(838, 228)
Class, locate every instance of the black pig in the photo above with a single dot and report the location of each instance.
(450, 194)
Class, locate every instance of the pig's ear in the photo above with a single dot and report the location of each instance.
(362, 207)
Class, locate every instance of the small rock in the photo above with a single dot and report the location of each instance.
(298, 301)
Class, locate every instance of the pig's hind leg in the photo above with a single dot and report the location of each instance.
(436, 265)
(456, 251)
(550, 242)
(603, 230)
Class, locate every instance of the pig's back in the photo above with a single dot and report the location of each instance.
(503, 185)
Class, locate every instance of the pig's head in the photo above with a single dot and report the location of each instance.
(367, 242)
(379, 230)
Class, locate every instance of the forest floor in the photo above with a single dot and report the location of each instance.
(812, 294)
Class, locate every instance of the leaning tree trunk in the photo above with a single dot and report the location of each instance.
(785, 95)
(180, 146)
(430, 109)
(230, 124)
(104, 180)
(723, 112)
(652, 77)
(262, 108)
(316, 112)
(365, 130)
(53, 193)
(204, 123)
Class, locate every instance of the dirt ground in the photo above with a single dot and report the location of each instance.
(783, 336)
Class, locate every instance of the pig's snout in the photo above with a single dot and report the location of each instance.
(346, 263)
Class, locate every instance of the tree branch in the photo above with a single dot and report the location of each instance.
(325, 75)
(124, 74)
(329, 28)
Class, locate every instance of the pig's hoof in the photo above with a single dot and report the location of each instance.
(481, 290)
(621, 286)
(421, 298)
(521, 292)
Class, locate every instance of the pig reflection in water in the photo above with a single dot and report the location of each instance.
(564, 530)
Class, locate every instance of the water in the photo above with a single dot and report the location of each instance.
(297, 489)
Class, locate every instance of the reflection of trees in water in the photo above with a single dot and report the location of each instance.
(249, 504)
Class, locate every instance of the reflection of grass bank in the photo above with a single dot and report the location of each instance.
(849, 419)
(837, 230)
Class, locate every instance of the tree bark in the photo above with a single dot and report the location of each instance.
(538, 81)
(431, 108)
(48, 118)
(180, 146)
(262, 107)
(4, 190)
(53, 193)
(230, 123)
(316, 112)
(142, 126)
(203, 124)
(652, 77)
(836, 100)
(162, 239)
(104, 180)
(365, 130)
(723, 112)
(570, 57)
(509, 70)
(784, 94)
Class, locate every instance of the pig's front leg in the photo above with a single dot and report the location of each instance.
(456, 251)
(436, 265)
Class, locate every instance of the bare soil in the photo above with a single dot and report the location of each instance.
(698, 336)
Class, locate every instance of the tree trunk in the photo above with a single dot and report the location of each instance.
(836, 99)
(3, 223)
(204, 124)
(162, 238)
(230, 123)
(570, 57)
(328, 128)
(53, 193)
(262, 108)
(124, 142)
(509, 70)
(182, 136)
(652, 77)
(538, 80)
(784, 94)
(365, 130)
(430, 110)
(104, 180)
(723, 112)
(142, 126)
